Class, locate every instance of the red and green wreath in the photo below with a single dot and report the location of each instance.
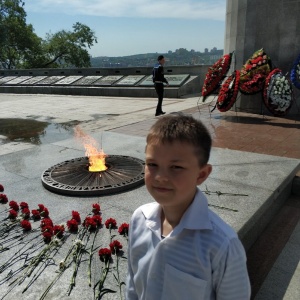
(228, 92)
(254, 73)
(278, 93)
(295, 73)
(215, 74)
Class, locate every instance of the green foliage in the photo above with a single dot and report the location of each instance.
(20, 47)
(68, 49)
(17, 39)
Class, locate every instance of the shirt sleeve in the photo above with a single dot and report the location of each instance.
(231, 278)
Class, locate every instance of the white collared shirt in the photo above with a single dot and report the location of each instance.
(202, 258)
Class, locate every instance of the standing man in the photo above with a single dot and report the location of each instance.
(158, 80)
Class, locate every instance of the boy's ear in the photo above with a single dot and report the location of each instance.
(204, 173)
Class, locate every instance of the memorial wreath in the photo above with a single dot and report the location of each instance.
(228, 92)
(254, 72)
(278, 93)
(215, 74)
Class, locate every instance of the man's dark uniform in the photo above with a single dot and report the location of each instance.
(159, 80)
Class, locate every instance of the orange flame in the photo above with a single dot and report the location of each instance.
(96, 157)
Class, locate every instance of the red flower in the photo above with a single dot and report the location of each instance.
(1, 188)
(97, 219)
(76, 216)
(12, 214)
(96, 209)
(72, 225)
(13, 205)
(90, 223)
(248, 67)
(44, 213)
(48, 229)
(47, 237)
(23, 205)
(110, 223)
(41, 207)
(254, 85)
(35, 214)
(123, 229)
(115, 247)
(104, 254)
(46, 222)
(26, 225)
(26, 213)
(59, 230)
(3, 199)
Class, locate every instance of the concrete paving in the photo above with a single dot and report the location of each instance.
(253, 186)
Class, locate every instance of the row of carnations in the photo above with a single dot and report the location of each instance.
(20, 212)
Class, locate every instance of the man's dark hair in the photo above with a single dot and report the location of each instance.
(160, 57)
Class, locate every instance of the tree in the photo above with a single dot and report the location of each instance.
(68, 49)
(20, 47)
(17, 39)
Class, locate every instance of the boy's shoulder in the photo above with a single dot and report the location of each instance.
(220, 227)
(146, 209)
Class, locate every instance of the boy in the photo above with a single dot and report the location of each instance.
(159, 80)
(178, 248)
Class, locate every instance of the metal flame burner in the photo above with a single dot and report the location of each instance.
(72, 177)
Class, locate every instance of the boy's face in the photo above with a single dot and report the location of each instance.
(172, 173)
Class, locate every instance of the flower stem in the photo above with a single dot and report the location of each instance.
(78, 253)
(118, 278)
(90, 259)
(44, 254)
(51, 285)
(105, 271)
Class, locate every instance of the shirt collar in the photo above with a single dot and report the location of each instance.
(196, 216)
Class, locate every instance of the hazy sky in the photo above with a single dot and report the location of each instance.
(128, 27)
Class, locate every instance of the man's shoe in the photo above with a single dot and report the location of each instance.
(159, 113)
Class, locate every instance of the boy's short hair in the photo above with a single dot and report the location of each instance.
(160, 57)
(183, 128)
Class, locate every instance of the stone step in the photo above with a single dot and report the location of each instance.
(275, 255)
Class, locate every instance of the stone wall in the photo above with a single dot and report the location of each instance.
(192, 70)
(269, 24)
(192, 84)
